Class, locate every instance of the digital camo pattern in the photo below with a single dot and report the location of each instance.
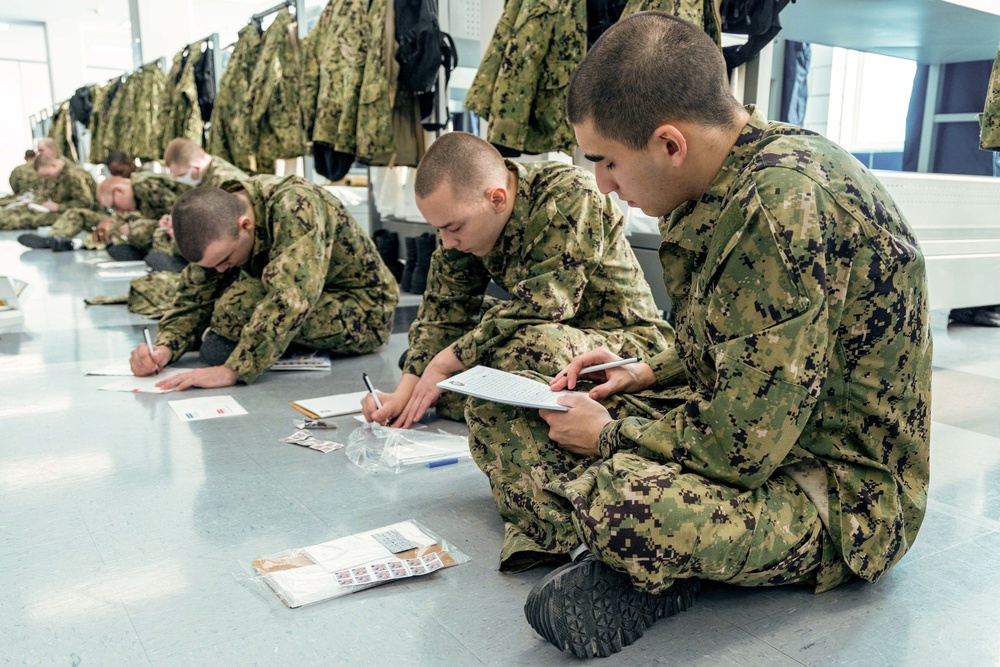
(77, 220)
(154, 197)
(804, 337)
(989, 121)
(229, 136)
(23, 178)
(575, 284)
(334, 68)
(184, 111)
(374, 137)
(74, 187)
(521, 84)
(314, 278)
(275, 128)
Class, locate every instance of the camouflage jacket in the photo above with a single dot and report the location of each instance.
(229, 134)
(306, 244)
(562, 256)
(146, 90)
(61, 132)
(24, 178)
(521, 84)
(74, 187)
(154, 197)
(334, 57)
(219, 171)
(275, 119)
(99, 118)
(185, 113)
(803, 335)
(989, 120)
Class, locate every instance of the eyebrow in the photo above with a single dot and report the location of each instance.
(593, 158)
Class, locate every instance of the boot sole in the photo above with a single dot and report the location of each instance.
(593, 611)
(35, 241)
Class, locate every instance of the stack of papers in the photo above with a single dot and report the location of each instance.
(303, 361)
(330, 406)
(501, 387)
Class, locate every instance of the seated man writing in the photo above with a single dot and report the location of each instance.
(784, 439)
(64, 186)
(546, 235)
(275, 261)
(140, 200)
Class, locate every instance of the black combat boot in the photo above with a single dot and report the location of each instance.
(35, 241)
(591, 610)
(406, 282)
(426, 244)
(388, 248)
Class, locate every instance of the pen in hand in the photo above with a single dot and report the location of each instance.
(371, 390)
(149, 344)
(610, 364)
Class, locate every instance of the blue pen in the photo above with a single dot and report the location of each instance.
(442, 462)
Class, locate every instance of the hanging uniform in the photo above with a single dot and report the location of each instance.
(989, 120)
(521, 84)
(275, 119)
(229, 137)
(313, 278)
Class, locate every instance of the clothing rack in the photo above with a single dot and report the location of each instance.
(259, 16)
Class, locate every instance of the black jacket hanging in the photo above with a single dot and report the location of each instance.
(204, 79)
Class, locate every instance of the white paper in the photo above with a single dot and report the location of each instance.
(493, 385)
(333, 406)
(123, 266)
(303, 362)
(302, 585)
(207, 407)
(362, 548)
(119, 368)
(144, 385)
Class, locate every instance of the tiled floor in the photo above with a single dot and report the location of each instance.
(123, 531)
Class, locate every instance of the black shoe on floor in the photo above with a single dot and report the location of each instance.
(61, 244)
(158, 260)
(406, 280)
(124, 252)
(35, 241)
(215, 349)
(983, 316)
(593, 611)
(426, 245)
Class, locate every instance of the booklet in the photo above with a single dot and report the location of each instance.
(502, 387)
(330, 406)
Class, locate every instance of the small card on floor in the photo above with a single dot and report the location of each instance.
(208, 407)
(394, 541)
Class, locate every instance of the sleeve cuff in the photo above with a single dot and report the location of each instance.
(607, 442)
(667, 367)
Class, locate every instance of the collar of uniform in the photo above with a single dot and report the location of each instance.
(258, 200)
(691, 225)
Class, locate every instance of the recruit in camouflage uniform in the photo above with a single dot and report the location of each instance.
(218, 172)
(23, 179)
(154, 197)
(574, 282)
(520, 86)
(989, 120)
(153, 294)
(72, 188)
(788, 437)
(314, 278)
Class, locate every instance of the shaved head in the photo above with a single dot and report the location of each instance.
(470, 165)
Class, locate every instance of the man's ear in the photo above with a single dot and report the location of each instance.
(245, 223)
(669, 142)
(498, 198)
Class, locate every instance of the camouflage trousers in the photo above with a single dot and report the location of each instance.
(76, 220)
(647, 517)
(153, 294)
(344, 322)
(548, 348)
(21, 218)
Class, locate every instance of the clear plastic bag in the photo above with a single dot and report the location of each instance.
(349, 564)
(380, 449)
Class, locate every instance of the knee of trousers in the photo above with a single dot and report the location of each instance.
(235, 306)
